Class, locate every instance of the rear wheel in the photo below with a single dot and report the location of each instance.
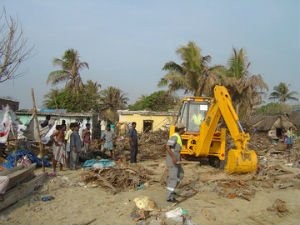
(214, 161)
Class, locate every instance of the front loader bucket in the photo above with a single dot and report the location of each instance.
(239, 161)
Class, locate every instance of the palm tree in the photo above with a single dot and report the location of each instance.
(51, 99)
(69, 72)
(111, 100)
(245, 88)
(282, 93)
(90, 95)
(193, 75)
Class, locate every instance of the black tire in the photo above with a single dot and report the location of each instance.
(214, 162)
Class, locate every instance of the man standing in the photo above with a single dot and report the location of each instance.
(75, 146)
(58, 138)
(45, 123)
(133, 141)
(175, 170)
(67, 140)
(86, 138)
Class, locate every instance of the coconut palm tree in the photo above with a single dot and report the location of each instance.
(245, 89)
(69, 72)
(282, 93)
(111, 100)
(193, 75)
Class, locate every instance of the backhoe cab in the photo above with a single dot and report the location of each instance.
(204, 139)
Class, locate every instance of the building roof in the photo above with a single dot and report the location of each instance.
(146, 113)
(295, 118)
(56, 113)
(268, 122)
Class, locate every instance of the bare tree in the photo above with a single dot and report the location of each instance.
(13, 50)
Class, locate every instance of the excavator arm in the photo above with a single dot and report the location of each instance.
(240, 159)
(224, 105)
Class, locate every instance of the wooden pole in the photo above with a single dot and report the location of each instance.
(41, 154)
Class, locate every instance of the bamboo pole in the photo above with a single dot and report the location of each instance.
(41, 153)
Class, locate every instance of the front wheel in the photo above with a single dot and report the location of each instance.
(216, 162)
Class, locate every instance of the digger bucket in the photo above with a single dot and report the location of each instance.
(239, 161)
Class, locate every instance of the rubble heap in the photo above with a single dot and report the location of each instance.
(117, 179)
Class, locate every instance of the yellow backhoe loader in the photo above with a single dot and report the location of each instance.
(204, 138)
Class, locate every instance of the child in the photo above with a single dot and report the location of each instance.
(289, 141)
(108, 139)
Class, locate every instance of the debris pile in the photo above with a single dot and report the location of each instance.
(21, 183)
(279, 206)
(152, 145)
(117, 179)
(235, 188)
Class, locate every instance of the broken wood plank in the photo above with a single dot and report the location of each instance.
(19, 176)
(21, 191)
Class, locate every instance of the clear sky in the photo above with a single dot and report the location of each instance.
(127, 42)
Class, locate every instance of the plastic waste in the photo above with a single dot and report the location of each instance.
(140, 186)
(188, 222)
(175, 214)
(47, 198)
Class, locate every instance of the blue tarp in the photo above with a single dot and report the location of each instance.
(12, 158)
(102, 163)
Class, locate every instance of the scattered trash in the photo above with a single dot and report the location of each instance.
(279, 206)
(144, 206)
(141, 186)
(145, 203)
(47, 198)
(175, 214)
(102, 163)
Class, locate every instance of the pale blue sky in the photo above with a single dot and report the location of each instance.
(127, 42)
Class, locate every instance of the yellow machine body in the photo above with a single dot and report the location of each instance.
(203, 137)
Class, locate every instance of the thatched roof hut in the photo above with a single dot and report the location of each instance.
(295, 118)
(271, 122)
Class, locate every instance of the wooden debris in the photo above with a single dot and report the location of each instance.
(87, 223)
(279, 206)
(21, 191)
(18, 175)
(151, 145)
(235, 188)
(117, 178)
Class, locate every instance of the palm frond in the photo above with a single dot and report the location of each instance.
(57, 76)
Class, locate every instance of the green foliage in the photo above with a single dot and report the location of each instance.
(70, 66)
(85, 99)
(274, 108)
(157, 101)
(193, 75)
(245, 89)
(282, 93)
(111, 100)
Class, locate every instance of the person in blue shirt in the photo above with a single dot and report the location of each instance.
(133, 141)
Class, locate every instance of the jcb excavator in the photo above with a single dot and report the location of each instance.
(203, 138)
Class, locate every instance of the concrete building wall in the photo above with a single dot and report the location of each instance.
(157, 121)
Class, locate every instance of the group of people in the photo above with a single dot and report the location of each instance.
(108, 137)
(67, 144)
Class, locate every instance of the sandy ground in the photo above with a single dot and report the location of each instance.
(78, 203)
